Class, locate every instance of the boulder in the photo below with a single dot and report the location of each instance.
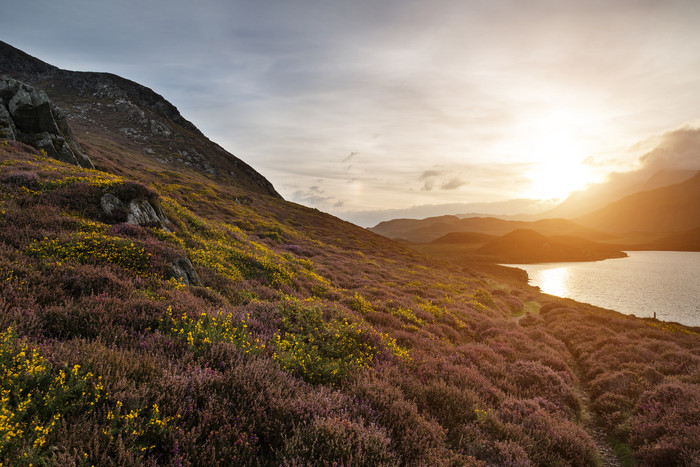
(8, 130)
(142, 213)
(112, 206)
(136, 211)
(184, 271)
(28, 115)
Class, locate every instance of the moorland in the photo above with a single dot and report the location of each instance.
(200, 319)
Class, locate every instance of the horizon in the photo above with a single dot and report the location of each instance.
(403, 108)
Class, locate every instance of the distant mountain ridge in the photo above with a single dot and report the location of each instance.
(528, 246)
(432, 228)
(665, 218)
(670, 209)
(105, 108)
(600, 195)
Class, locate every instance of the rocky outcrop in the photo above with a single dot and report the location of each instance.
(184, 271)
(27, 115)
(136, 211)
(140, 212)
(103, 103)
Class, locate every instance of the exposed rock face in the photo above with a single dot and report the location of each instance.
(184, 271)
(27, 115)
(134, 211)
(142, 213)
(111, 205)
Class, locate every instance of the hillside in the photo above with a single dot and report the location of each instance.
(686, 241)
(473, 238)
(670, 209)
(154, 313)
(528, 246)
(115, 116)
(600, 195)
(432, 228)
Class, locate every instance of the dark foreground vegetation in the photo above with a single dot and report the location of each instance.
(298, 339)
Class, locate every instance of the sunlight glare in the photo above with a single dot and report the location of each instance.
(554, 281)
(557, 155)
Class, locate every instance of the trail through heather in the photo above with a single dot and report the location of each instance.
(588, 420)
(588, 423)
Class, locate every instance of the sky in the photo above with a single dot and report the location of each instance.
(401, 108)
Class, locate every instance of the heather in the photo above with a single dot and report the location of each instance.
(298, 339)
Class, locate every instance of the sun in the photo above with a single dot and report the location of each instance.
(557, 165)
(557, 179)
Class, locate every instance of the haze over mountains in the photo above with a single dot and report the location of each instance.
(636, 209)
(669, 209)
(661, 213)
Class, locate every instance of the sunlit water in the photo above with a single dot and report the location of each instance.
(663, 282)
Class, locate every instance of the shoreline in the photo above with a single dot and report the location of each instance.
(647, 306)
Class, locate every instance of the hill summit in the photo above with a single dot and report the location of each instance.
(106, 109)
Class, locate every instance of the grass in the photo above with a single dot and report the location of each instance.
(622, 450)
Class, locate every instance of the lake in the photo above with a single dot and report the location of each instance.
(663, 282)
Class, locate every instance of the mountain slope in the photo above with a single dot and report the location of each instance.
(671, 209)
(106, 109)
(528, 246)
(432, 228)
(600, 195)
(686, 241)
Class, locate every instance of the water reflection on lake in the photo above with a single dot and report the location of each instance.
(663, 282)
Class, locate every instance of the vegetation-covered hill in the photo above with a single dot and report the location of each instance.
(670, 209)
(519, 246)
(528, 246)
(432, 228)
(132, 127)
(158, 315)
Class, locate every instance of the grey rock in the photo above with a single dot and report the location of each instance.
(135, 114)
(243, 200)
(184, 271)
(142, 213)
(137, 212)
(160, 129)
(31, 111)
(8, 130)
(27, 115)
(111, 205)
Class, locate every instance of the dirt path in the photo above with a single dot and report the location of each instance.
(516, 319)
(588, 422)
(597, 434)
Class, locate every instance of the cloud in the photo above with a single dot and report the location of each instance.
(429, 174)
(431, 179)
(313, 196)
(350, 156)
(677, 149)
(290, 87)
(452, 184)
